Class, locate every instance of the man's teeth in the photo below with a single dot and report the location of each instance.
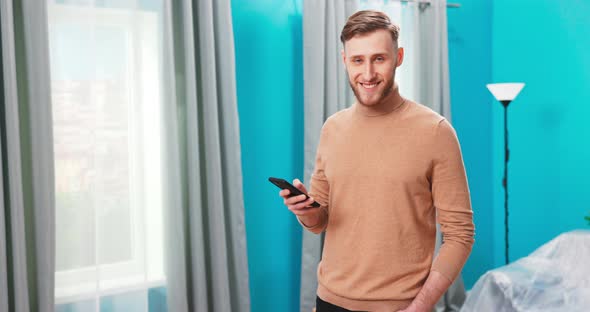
(369, 86)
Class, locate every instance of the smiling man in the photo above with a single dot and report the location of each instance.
(387, 169)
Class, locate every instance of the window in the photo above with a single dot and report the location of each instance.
(106, 96)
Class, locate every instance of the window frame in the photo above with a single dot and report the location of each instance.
(142, 270)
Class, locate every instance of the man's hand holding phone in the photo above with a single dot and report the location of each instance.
(301, 205)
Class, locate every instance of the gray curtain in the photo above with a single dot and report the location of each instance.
(206, 259)
(433, 60)
(27, 205)
(327, 91)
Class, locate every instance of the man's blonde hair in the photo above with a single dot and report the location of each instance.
(368, 21)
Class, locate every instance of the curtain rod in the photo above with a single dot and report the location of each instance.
(426, 2)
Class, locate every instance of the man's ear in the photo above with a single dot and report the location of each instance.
(400, 56)
(343, 57)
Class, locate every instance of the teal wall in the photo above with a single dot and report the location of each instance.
(545, 44)
(268, 42)
(470, 65)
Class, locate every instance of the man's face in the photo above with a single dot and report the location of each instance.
(371, 60)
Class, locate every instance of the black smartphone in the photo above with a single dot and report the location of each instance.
(284, 185)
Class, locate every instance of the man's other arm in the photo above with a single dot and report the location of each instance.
(450, 193)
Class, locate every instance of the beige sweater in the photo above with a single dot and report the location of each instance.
(383, 182)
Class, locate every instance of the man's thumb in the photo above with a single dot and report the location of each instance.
(299, 185)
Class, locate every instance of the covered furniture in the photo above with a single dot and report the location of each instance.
(555, 277)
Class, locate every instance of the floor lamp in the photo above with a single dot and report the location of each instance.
(505, 93)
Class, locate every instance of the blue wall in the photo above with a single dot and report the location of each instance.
(545, 44)
(268, 40)
(470, 59)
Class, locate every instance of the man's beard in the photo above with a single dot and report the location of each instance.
(386, 91)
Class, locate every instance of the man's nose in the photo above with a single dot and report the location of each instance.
(369, 72)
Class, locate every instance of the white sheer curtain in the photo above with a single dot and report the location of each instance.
(106, 80)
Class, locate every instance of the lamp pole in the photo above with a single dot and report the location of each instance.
(505, 103)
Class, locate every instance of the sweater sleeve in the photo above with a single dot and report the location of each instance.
(319, 189)
(450, 193)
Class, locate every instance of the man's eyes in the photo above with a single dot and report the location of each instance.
(378, 59)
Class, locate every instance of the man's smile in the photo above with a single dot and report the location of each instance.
(369, 86)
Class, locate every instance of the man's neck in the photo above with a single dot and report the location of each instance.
(392, 102)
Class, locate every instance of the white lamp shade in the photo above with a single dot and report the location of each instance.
(505, 91)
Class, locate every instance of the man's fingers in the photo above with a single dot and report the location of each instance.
(303, 204)
(299, 205)
(284, 193)
(294, 199)
(299, 185)
(303, 211)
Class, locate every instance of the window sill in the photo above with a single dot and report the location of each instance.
(86, 291)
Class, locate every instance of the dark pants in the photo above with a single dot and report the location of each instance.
(322, 306)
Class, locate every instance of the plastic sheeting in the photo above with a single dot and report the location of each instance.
(555, 277)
